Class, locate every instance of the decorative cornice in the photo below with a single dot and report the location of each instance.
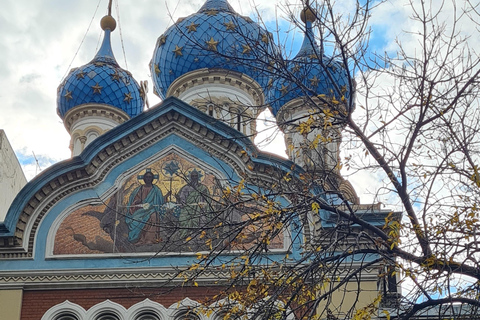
(94, 109)
(78, 279)
(219, 76)
(117, 278)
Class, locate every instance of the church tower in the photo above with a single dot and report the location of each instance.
(215, 60)
(303, 109)
(98, 96)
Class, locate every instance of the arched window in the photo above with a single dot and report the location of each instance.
(239, 121)
(65, 311)
(210, 110)
(147, 315)
(186, 315)
(107, 316)
(66, 316)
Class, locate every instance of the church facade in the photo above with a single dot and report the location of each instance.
(122, 229)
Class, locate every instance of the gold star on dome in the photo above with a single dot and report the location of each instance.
(178, 51)
(246, 49)
(116, 76)
(314, 81)
(247, 19)
(296, 68)
(211, 12)
(68, 95)
(344, 88)
(99, 63)
(313, 56)
(271, 64)
(230, 25)
(97, 89)
(157, 69)
(162, 40)
(196, 60)
(284, 90)
(80, 75)
(270, 83)
(265, 38)
(192, 27)
(128, 97)
(212, 44)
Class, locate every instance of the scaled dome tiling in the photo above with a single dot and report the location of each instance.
(100, 81)
(310, 76)
(214, 37)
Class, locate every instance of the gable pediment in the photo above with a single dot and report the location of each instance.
(172, 131)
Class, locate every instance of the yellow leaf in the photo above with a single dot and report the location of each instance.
(387, 314)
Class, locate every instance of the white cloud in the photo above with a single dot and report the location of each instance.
(40, 39)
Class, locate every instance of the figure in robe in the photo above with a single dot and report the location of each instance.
(195, 201)
(144, 212)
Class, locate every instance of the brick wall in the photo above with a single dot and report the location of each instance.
(36, 303)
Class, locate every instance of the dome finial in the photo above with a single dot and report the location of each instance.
(108, 22)
(307, 13)
(309, 45)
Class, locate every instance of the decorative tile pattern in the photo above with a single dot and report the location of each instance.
(214, 37)
(100, 81)
(315, 74)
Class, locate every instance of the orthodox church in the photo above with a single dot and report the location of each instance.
(149, 193)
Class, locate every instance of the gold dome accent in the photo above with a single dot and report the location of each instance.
(108, 22)
(307, 14)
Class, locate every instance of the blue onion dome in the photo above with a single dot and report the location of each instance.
(101, 81)
(311, 73)
(214, 37)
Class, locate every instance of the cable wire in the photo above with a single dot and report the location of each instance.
(121, 36)
(83, 39)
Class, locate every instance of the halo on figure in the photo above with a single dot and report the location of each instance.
(143, 172)
(200, 172)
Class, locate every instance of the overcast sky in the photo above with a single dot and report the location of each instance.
(41, 40)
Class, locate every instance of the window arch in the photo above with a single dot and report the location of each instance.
(107, 316)
(186, 315)
(66, 316)
(106, 310)
(65, 311)
(147, 315)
